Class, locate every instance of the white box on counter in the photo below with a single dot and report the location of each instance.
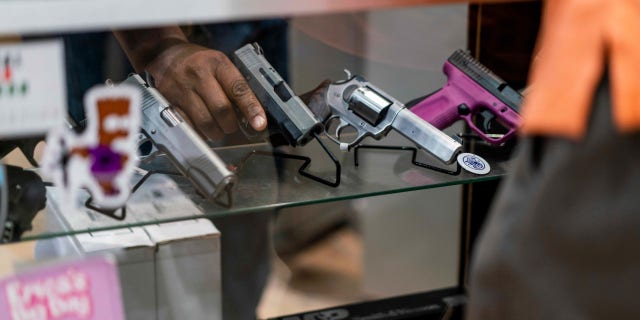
(167, 270)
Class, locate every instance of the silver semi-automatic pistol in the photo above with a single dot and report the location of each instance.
(287, 114)
(372, 113)
(169, 133)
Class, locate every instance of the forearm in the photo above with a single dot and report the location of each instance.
(143, 45)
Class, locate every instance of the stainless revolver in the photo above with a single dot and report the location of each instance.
(372, 113)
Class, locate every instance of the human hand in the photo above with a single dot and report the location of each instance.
(205, 85)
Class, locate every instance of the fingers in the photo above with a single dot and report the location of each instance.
(196, 110)
(217, 104)
(206, 86)
(238, 91)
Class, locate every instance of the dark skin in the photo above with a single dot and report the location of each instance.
(202, 83)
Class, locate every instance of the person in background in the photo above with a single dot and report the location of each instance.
(562, 240)
(205, 85)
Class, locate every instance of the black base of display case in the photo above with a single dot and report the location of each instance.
(444, 304)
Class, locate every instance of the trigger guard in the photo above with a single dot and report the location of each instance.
(144, 146)
(474, 128)
(494, 141)
(510, 133)
(328, 125)
(142, 138)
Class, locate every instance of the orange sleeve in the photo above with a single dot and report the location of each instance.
(567, 68)
(623, 35)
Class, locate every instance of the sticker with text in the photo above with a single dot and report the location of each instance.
(77, 290)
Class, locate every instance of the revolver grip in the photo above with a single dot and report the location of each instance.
(440, 109)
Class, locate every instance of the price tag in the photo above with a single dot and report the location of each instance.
(33, 95)
(77, 290)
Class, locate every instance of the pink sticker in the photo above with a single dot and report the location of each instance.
(78, 290)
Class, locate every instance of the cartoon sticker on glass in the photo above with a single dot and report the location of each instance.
(102, 158)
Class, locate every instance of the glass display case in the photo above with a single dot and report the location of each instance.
(360, 43)
(399, 46)
(262, 185)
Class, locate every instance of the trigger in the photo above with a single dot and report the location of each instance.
(340, 127)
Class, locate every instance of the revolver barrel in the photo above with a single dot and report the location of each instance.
(372, 112)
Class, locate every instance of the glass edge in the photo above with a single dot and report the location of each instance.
(259, 209)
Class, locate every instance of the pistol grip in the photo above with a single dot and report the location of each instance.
(440, 109)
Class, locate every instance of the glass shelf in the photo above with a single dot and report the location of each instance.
(264, 184)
